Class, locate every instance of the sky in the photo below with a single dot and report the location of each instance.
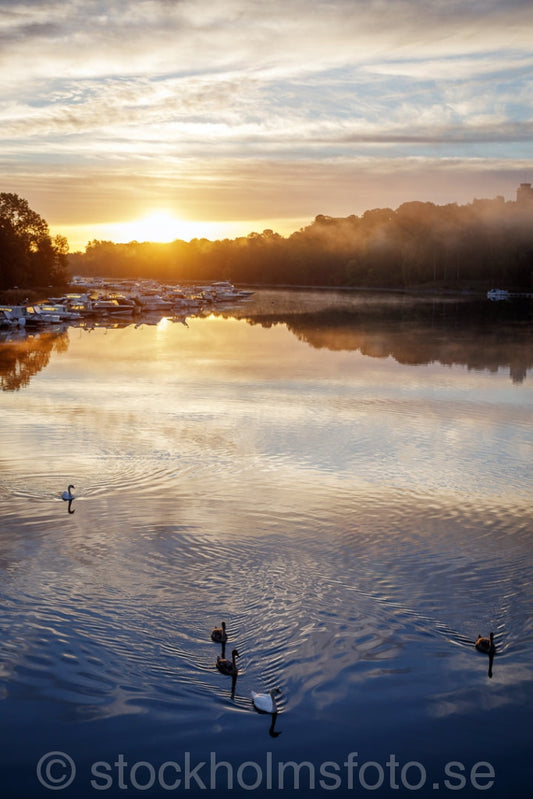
(164, 119)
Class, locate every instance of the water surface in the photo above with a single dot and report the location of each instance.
(345, 479)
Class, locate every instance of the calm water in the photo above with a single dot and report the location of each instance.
(345, 480)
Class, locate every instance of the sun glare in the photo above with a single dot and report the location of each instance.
(163, 226)
(158, 226)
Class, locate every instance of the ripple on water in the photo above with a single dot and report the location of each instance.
(317, 604)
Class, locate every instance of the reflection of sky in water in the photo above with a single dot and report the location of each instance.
(261, 395)
(357, 521)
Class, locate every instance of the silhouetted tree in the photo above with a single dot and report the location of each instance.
(28, 255)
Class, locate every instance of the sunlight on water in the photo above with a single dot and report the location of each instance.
(356, 518)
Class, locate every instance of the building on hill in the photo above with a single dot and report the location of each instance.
(524, 194)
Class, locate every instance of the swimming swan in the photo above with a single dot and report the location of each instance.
(228, 666)
(67, 495)
(265, 703)
(486, 645)
(219, 634)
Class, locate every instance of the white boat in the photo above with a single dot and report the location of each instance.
(5, 320)
(13, 315)
(114, 304)
(226, 292)
(50, 309)
(36, 316)
(122, 300)
(81, 305)
(153, 302)
(498, 294)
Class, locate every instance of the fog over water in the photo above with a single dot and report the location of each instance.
(345, 479)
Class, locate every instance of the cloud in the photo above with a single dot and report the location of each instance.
(258, 188)
(302, 37)
(182, 95)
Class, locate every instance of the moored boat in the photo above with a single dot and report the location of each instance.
(497, 294)
(13, 315)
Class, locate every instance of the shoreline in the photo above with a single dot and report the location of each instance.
(482, 293)
(41, 294)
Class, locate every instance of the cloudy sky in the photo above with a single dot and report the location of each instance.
(219, 117)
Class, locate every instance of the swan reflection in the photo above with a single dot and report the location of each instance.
(271, 731)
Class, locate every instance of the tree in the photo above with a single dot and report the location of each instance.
(28, 255)
(12, 254)
(60, 260)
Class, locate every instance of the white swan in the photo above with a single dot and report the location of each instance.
(67, 495)
(266, 703)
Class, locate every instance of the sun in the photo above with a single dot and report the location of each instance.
(160, 226)
(156, 226)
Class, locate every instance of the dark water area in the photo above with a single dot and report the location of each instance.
(345, 479)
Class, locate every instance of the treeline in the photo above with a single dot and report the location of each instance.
(487, 241)
(29, 256)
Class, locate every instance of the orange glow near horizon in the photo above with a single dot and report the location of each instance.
(157, 226)
(162, 226)
(194, 128)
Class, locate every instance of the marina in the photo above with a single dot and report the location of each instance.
(102, 302)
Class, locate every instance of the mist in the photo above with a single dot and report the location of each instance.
(488, 242)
